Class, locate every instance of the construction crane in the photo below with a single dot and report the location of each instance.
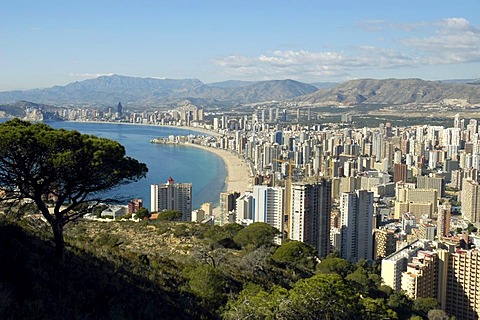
(288, 188)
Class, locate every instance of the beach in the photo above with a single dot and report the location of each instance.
(238, 172)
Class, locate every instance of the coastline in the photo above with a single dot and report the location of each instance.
(238, 172)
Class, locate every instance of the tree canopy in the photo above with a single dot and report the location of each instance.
(60, 170)
(256, 235)
(296, 253)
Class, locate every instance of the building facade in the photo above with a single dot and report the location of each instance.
(269, 204)
(471, 201)
(310, 214)
(356, 211)
(172, 196)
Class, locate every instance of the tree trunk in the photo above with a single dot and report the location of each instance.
(57, 228)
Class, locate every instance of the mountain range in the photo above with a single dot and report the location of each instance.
(393, 92)
(145, 93)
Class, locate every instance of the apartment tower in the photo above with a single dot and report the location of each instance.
(356, 211)
(172, 196)
(310, 214)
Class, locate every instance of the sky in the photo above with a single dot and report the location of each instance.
(47, 43)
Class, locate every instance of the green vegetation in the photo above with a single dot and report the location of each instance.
(169, 215)
(173, 270)
(256, 235)
(143, 213)
(60, 171)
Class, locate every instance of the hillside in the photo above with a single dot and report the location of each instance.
(168, 270)
(144, 93)
(133, 91)
(392, 91)
(272, 90)
(105, 90)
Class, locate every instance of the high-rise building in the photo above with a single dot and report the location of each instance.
(269, 207)
(119, 109)
(310, 205)
(244, 209)
(227, 205)
(471, 201)
(420, 278)
(356, 210)
(459, 283)
(426, 182)
(172, 196)
(384, 243)
(399, 172)
(443, 220)
(396, 263)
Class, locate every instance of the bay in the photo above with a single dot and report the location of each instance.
(205, 170)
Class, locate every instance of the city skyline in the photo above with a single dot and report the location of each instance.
(59, 42)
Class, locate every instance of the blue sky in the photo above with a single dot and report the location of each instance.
(46, 43)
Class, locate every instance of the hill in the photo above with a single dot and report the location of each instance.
(105, 90)
(147, 93)
(132, 91)
(168, 270)
(392, 91)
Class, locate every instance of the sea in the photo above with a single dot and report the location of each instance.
(205, 170)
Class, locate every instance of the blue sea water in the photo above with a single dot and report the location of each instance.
(205, 170)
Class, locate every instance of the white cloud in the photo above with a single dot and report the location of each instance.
(450, 41)
(455, 41)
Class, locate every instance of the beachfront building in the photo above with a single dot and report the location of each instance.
(172, 196)
(310, 206)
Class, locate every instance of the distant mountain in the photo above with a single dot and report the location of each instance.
(229, 84)
(272, 90)
(145, 93)
(108, 90)
(104, 90)
(464, 81)
(324, 85)
(392, 91)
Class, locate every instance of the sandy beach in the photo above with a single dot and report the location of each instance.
(238, 172)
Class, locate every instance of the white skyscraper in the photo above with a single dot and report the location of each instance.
(269, 206)
(244, 209)
(356, 210)
(310, 214)
(172, 196)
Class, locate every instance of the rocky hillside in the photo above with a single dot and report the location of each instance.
(144, 93)
(392, 91)
(150, 91)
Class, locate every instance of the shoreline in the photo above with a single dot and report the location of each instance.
(238, 172)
